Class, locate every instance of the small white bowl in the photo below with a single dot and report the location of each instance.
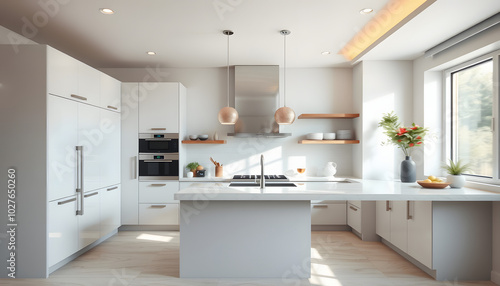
(328, 136)
(193, 137)
(315, 136)
(203, 137)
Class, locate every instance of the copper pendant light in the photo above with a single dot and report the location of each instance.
(284, 115)
(228, 115)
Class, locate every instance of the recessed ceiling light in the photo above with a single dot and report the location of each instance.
(107, 11)
(325, 53)
(151, 53)
(365, 11)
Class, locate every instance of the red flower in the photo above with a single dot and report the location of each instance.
(419, 137)
(415, 127)
(411, 144)
(419, 142)
(400, 140)
(402, 130)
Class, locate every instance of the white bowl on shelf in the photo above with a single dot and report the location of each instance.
(328, 136)
(203, 137)
(344, 134)
(314, 136)
(193, 137)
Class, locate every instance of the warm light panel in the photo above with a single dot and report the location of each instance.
(394, 14)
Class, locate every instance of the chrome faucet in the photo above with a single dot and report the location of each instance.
(262, 179)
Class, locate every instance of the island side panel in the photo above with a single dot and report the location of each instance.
(245, 239)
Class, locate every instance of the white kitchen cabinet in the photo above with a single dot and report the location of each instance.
(328, 213)
(62, 229)
(62, 74)
(383, 219)
(109, 149)
(62, 139)
(354, 216)
(158, 192)
(159, 214)
(110, 209)
(159, 107)
(89, 223)
(91, 138)
(129, 154)
(408, 226)
(420, 232)
(89, 84)
(110, 93)
(399, 225)
(70, 78)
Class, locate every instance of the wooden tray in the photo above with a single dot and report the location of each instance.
(433, 185)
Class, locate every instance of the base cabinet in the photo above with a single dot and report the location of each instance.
(159, 214)
(63, 229)
(89, 224)
(110, 209)
(328, 213)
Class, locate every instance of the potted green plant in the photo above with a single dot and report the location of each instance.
(192, 167)
(455, 171)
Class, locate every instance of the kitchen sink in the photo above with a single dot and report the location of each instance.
(277, 184)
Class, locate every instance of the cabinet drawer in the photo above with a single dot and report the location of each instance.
(354, 217)
(328, 214)
(158, 192)
(159, 214)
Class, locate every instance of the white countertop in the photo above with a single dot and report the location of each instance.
(297, 178)
(368, 190)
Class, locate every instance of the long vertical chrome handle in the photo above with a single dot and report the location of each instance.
(79, 179)
(135, 167)
(408, 215)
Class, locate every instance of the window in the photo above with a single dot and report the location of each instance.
(472, 109)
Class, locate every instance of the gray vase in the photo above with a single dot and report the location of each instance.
(408, 171)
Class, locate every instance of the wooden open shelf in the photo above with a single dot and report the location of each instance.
(307, 141)
(204, 142)
(327, 115)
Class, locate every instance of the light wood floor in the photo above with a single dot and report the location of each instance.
(134, 258)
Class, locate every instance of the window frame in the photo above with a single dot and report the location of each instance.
(449, 118)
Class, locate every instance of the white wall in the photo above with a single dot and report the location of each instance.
(384, 86)
(309, 90)
(495, 273)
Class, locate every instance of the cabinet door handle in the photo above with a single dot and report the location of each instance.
(78, 97)
(91, 195)
(113, 188)
(158, 206)
(112, 107)
(408, 214)
(156, 128)
(388, 206)
(158, 185)
(66, 201)
(79, 179)
(320, 206)
(135, 167)
(353, 208)
(158, 161)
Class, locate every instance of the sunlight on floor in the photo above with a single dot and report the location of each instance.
(152, 237)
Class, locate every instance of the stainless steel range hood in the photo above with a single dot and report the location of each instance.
(256, 98)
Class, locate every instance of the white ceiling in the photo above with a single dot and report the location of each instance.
(188, 33)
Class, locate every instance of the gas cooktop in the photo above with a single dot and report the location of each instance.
(251, 178)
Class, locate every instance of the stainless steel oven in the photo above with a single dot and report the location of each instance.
(159, 143)
(161, 166)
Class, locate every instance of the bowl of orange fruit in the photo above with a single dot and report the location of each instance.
(433, 182)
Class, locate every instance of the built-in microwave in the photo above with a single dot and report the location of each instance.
(158, 167)
(159, 143)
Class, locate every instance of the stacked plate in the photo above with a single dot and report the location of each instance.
(344, 134)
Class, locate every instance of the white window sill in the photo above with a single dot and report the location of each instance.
(483, 186)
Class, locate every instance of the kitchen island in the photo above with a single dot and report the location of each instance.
(228, 232)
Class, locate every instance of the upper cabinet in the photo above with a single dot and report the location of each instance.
(110, 93)
(159, 107)
(70, 78)
(62, 74)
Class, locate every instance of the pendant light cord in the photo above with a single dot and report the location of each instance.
(284, 72)
(227, 69)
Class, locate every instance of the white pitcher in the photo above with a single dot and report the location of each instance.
(330, 169)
